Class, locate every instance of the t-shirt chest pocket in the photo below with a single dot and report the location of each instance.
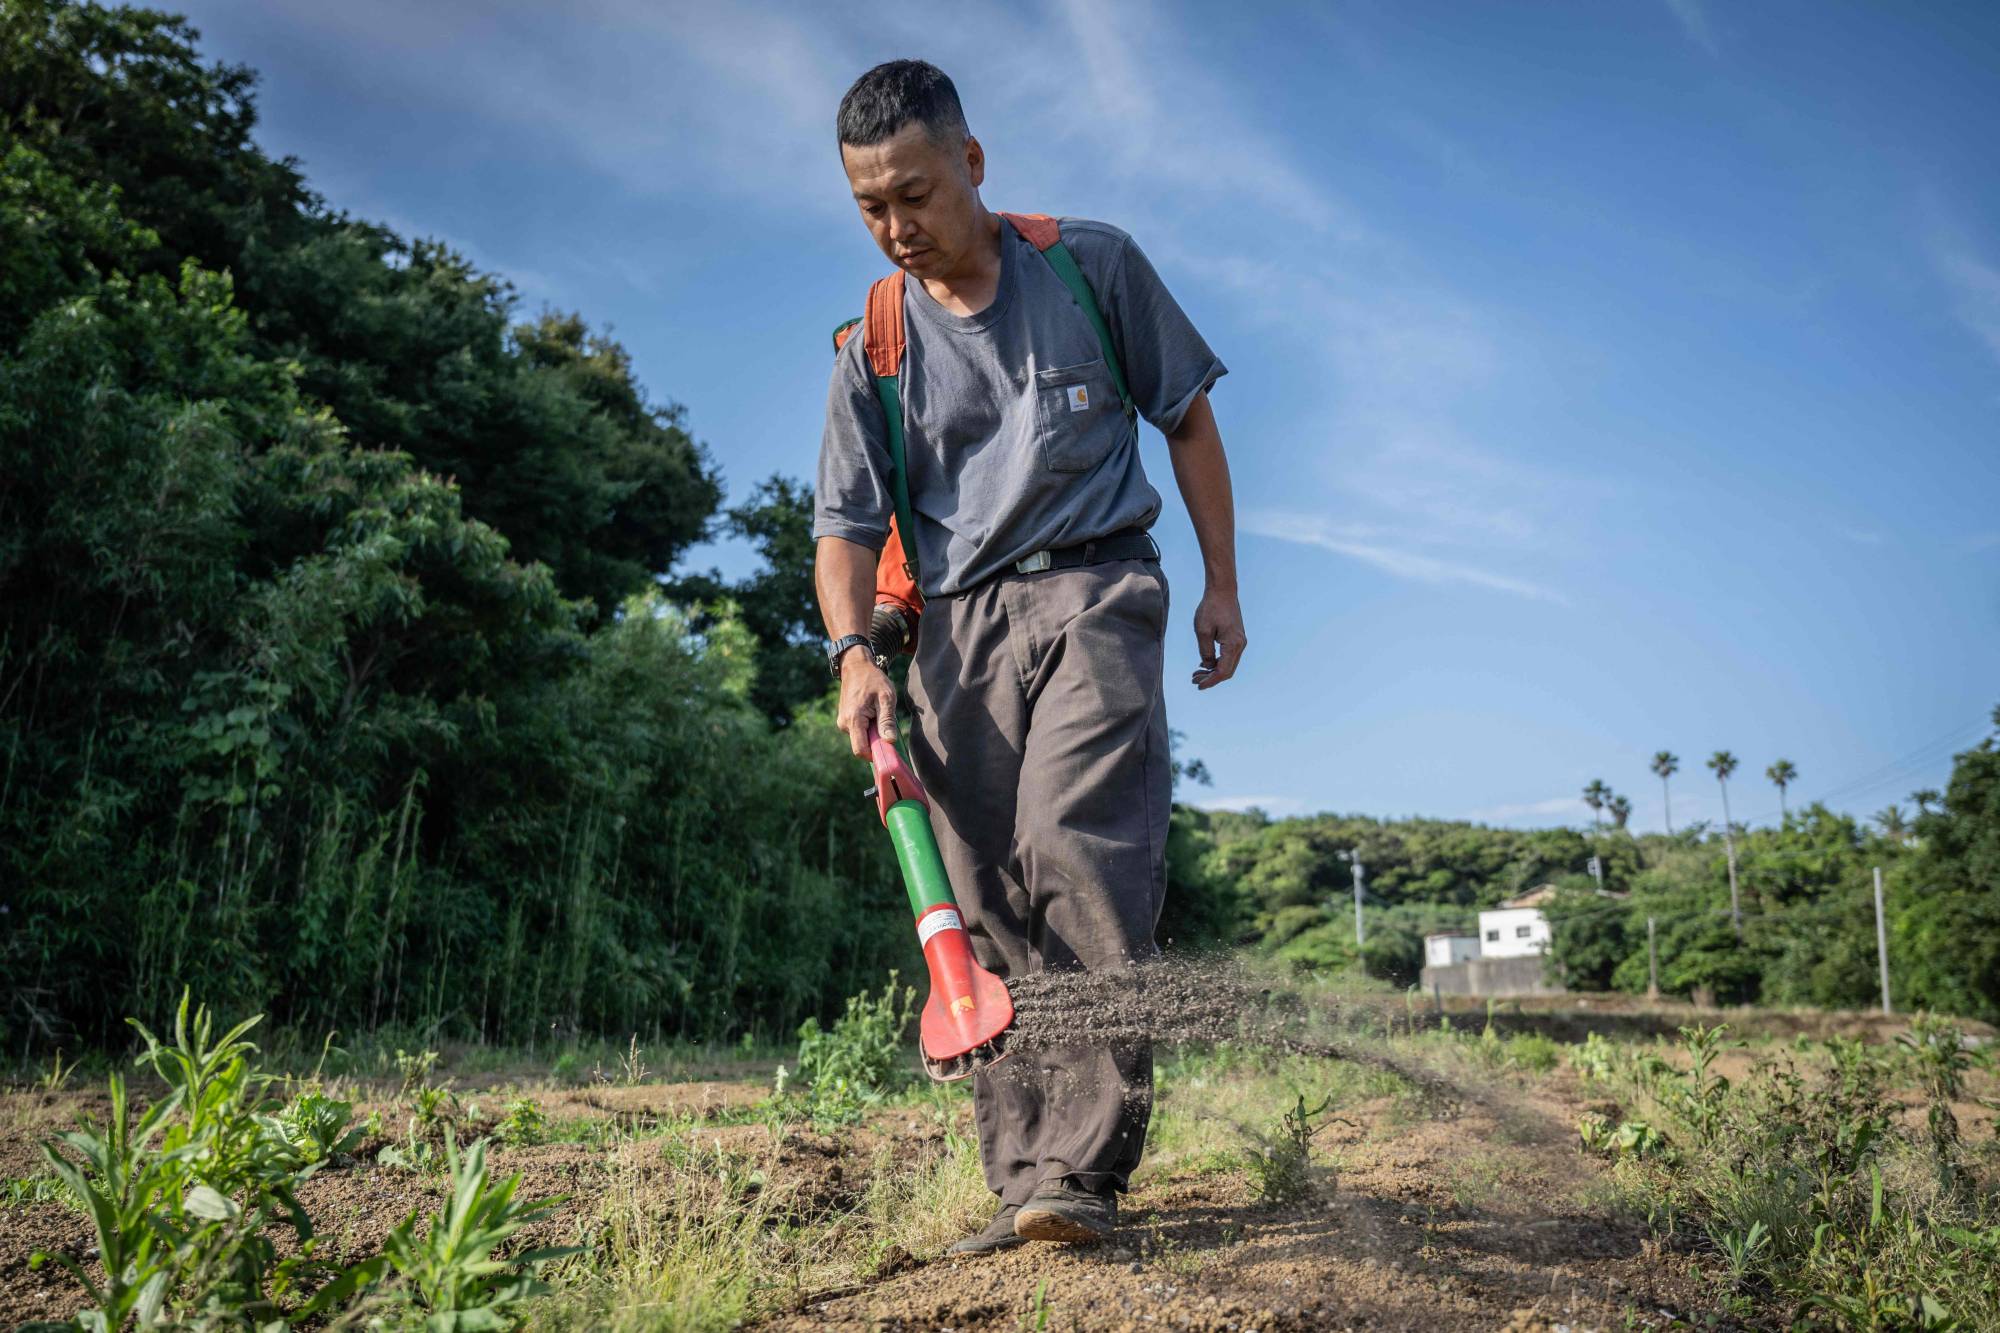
(1077, 415)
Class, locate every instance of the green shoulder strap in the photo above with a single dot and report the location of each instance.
(1064, 263)
(887, 389)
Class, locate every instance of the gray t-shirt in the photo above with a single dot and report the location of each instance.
(1013, 433)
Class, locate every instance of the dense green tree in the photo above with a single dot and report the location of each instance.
(542, 426)
(1945, 950)
(279, 711)
(1588, 934)
(777, 603)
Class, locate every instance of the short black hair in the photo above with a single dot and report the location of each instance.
(895, 93)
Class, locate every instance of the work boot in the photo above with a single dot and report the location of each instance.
(1060, 1210)
(995, 1236)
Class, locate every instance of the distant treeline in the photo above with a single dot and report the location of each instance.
(1805, 888)
(349, 673)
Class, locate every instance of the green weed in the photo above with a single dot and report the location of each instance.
(1280, 1160)
(448, 1267)
(861, 1058)
(524, 1124)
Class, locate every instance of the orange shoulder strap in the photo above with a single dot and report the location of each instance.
(892, 576)
(882, 326)
(1038, 229)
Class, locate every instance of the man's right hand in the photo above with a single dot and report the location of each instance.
(866, 695)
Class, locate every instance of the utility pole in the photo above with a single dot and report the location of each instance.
(1882, 942)
(1729, 846)
(1353, 858)
(1652, 963)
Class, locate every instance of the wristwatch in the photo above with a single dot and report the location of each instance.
(839, 647)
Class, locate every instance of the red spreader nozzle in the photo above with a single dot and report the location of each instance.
(968, 1013)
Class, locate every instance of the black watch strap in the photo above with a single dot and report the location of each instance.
(838, 648)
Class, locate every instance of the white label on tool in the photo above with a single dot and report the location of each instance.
(930, 923)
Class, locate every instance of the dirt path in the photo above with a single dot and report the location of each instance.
(1488, 1221)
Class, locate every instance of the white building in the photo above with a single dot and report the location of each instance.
(1516, 928)
(1450, 947)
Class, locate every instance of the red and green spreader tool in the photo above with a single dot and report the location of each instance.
(966, 1018)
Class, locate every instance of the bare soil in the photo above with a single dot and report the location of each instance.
(1489, 1220)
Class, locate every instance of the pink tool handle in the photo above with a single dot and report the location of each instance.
(893, 779)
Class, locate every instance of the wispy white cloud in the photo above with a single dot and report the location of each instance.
(1975, 287)
(1097, 107)
(1366, 544)
(1543, 809)
(1694, 22)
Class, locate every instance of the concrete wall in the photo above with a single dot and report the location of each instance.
(1501, 932)
(1493, 977)
(1444, 950)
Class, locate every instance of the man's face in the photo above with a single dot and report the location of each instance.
(919, 198)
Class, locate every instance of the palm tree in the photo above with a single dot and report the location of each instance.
(1894, 825)
(1926, 798)
(1722, 764)
(1596, 796)
(1666, 763)
(1784, 774)
(1621, 810)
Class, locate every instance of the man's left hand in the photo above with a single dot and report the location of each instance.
(1218, 636)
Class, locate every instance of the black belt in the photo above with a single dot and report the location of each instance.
(1129, 544)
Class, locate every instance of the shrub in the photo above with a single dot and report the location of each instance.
(524, 1125)
(862, 1056)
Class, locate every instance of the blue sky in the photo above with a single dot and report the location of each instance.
(1604, 377)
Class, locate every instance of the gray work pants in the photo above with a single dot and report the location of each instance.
(1040, 731)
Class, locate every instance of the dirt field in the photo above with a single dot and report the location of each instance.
(1479, 1215)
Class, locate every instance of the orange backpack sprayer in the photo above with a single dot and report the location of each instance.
(966, 1018)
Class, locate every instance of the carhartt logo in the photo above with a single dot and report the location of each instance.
(1079, 398)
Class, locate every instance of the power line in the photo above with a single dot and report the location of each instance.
(1895, 771)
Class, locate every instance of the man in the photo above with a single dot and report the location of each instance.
(1039, 725)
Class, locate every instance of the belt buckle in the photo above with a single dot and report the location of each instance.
(1034, 564)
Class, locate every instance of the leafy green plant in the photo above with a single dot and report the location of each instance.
(523, 1125)
(1533, 1051)
(1594, 1057)
(320, 1127)
(449, 1268)
(568, 1067)
(1937, 1048)
(414, 1068)
(183, 1200)
(1742, 1248)
(1626, 1137)
(125, 1187)
(1280, 1160)
(57, 1076)
(22, 1191)
(1699, 1095)
(431, 1107)
(1036, 1318)
(862, 1057)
